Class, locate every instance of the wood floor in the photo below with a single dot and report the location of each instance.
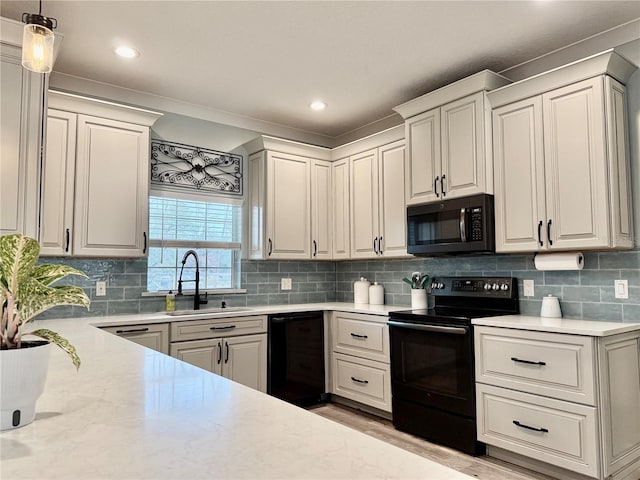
(484, 468)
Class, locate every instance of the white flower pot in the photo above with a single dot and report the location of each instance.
(418, 298)
(23, 373)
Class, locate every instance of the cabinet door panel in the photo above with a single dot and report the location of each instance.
(341, 205)
(423, 157)
(364, 204)
(575, 165)
(463, 162)
(393, 224)
(56, 219)
(288, 206)
(201, 353)
(112, 170)
(321, 209)
(519, 175)
(245, 360)
(20, 112)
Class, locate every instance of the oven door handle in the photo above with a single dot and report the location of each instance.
(430, 328)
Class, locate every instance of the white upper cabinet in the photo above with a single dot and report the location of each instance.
(105, 211)
(364, 204)
(22, 94)
(290, 201)
(448, 135)
(341, 208)
(561, 165)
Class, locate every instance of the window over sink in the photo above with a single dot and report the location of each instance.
(178, 223)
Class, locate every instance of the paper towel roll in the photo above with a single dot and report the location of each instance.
(559, 261)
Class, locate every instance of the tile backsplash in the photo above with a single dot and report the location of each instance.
(588, 293)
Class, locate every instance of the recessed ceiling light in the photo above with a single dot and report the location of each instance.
(127, 52)
(318, 105)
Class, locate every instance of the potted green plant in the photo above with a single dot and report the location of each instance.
(25, 291)
(420, 290)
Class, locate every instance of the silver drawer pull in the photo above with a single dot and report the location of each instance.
(355, 335)
(226, 327)
(133, 330)
(357, 380)
(535, 429)
(528, 362)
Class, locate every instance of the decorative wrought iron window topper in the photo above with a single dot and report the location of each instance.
(188, 167)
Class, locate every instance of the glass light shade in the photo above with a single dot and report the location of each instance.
(37, 48)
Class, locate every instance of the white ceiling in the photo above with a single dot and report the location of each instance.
(268, 60)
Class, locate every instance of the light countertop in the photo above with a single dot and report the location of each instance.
(133, 413)
(589, 328)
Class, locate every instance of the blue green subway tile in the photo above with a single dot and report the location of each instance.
(536, 276)
(326, 286)
(112, 293)
(317, 297)
(259, 277)
(268, 266)
(96, 309)
(131, 293)
(571, 309)
(400, 299)
(308, 287)
(235, 300)
(496, 273)
(511, 262)
(289, 267)
(268, 288)
(257, 300)
(390, 288)
(64, 311)
(343, 297)
(278, 298)
(483, 263)
(344, 266)
(620, 260)
(124, 280)
(591, 261)
(608, 294)
(123, 306)
(308, 267)
(529, 261)
(152, 304)
(530, 307)
(136, 266)
(598, 277)
(633, 276)
(251, 288)
(577, 294)
(602, 311)
(295, 277)
(344, 286)
(299, 297)
(249, 266)
(631, 313)
(562, 278)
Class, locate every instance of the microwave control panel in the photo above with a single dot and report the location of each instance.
(476, 224)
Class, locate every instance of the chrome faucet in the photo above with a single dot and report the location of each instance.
(197, 301)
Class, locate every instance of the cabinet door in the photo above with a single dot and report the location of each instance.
(112, 185)
(393, 224)
(153, 336)
(463, 158)
(288, 206)
(423, 157)
(245, 360)
(576, 166)
(20, 115)
(519, 176)
(206, 354)
(321, 209)
(58, 175)
(364, 204)
(341, 205)
(257, 209)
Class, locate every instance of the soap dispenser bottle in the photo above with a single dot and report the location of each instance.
(170, 302)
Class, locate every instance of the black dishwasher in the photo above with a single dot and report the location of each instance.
(296, 358)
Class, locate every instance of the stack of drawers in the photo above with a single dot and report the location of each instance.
(360, 359)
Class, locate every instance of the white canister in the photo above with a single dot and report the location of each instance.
(361, 291)
(376, 294)
(550, 307)
(418, 298)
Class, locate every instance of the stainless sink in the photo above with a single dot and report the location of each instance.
(208, 311)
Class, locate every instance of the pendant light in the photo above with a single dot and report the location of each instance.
(37, 42)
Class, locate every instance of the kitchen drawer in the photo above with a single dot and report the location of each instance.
(217, 327)
(569, 439)
(550, 364)
(354, 334)
(150, 335)
(362, 380)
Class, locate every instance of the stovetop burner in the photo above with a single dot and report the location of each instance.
(459, 299)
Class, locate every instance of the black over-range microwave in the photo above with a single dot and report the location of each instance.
(459, 225)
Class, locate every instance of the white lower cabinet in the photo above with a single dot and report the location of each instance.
(154, 336)
(235, 348)
(560, 400)
(360, 369)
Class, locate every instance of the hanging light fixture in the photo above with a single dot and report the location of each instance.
(37, 41)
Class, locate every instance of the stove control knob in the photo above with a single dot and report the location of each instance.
(504, 287)
(434, 285)
(495, 286)
(440, 285)
(487, 286)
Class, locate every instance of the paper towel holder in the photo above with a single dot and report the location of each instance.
(579, 258)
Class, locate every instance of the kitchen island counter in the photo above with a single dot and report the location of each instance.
(131, 412)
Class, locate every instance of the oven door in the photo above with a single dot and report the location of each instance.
(432, 365)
